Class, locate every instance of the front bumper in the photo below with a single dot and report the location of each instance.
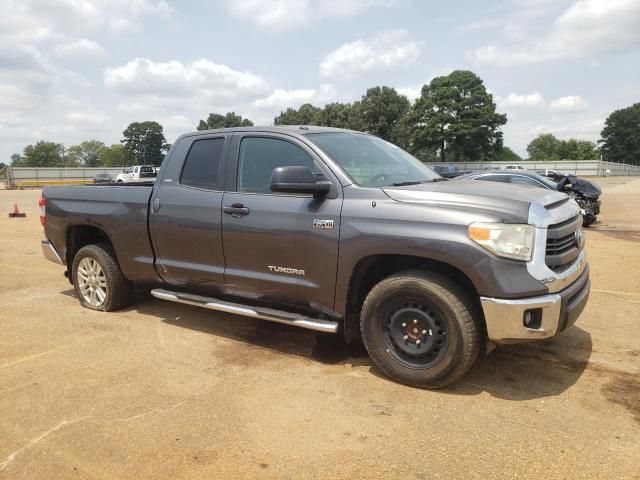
(50, 253)
(505, 317)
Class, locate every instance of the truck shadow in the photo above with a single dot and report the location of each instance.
(529, 371)
(511, 372)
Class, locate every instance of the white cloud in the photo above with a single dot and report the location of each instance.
(281, 99)
(588, 28)
(411, 92)
(387, 51)
(588, 129)
(84, 117)
(201, 78)
(530, 100)
(297, 14)
(80, 48)
(569, 103)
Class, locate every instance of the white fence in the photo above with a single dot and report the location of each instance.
(583, 168)
(14, 176)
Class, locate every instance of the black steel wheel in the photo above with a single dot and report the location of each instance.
(417, 333)
(419, 329)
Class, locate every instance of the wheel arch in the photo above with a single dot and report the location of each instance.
(371, 269)
(78, 236)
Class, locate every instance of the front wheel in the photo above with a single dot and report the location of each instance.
(98, 280)
(419, 329)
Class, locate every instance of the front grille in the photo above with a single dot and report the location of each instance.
(562, 248)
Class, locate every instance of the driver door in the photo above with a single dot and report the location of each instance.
(283, 247)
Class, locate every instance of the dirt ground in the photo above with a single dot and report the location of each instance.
(170, 391)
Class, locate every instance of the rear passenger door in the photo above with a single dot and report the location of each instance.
(186, 213)
(281, 247)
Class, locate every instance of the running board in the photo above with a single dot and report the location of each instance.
(277, 316)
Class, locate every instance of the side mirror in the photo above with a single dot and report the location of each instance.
(297, 179)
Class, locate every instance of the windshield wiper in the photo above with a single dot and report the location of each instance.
(404, 184)
(441, 179)
(416, 182)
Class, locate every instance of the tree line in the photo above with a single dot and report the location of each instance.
(453, 119)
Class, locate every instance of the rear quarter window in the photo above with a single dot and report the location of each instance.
(202, 165)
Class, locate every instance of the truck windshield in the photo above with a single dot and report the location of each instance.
(372, 162)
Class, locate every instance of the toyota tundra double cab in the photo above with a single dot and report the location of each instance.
(335, 231)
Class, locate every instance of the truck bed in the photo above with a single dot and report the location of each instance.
(120, 210)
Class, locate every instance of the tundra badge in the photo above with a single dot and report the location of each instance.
(290, 271)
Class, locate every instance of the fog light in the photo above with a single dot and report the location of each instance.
(532, 318)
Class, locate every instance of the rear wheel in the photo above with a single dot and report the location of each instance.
(418, 329)
(98, 280)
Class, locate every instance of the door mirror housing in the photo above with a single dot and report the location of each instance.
(298, 179)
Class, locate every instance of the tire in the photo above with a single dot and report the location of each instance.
(107, 277)
(119, 181)
(588, 220)
(447, 340)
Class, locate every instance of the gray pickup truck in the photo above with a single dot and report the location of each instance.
(335, 231)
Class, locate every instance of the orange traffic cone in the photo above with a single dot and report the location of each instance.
(16, 213)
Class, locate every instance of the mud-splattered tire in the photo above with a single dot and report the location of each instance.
(98, 280)
(418, 328)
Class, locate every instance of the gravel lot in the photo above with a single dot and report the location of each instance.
(170, 391)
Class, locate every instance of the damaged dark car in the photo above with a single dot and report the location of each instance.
(585, 193)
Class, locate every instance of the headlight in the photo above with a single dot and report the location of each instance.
(513, 241)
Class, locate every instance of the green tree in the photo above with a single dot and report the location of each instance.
(339, 115)
(505, 154)
(16, 160)
(621, 136)
(307, 114)
(382, 112)
(456, 114)
(116, 156)
(145, 142)
(87, 154)
(229, 120)
(544, 147)
(573, 149)
(42, 154)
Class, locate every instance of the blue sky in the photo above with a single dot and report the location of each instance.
(72, 70)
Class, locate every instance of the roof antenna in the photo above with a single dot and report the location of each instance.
(303, 127)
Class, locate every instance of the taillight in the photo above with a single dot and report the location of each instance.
(42, 203)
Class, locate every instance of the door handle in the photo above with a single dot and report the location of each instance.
(236, 210)
(156, 205)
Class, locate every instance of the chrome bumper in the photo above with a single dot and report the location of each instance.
(505, 317)
(50, 253)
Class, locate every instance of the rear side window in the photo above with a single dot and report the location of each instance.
(203, 164)
(494, 178)
(260, 156)
(527, 182)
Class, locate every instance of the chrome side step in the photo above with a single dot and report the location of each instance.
(277, 316)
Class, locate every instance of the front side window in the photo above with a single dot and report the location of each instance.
(259, 156)
(202, 164)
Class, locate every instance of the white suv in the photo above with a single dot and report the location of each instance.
(137, 173)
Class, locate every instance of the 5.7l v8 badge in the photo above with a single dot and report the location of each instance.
(322, 223)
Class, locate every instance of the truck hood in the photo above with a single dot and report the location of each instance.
(508, 203)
